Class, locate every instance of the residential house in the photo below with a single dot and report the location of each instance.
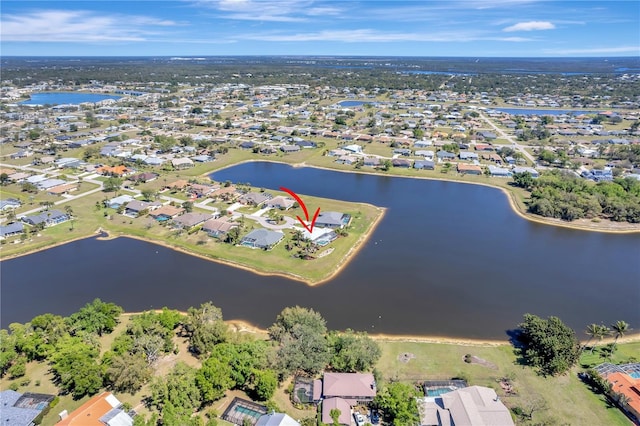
(400, 162)
(198, 190)
(423, 143)
(144, 177)
(347, 159)
(499, 171)
(357, 149)
(46, 218)
(190, 220)
(424, 165)
(624, 380)
(329, 404)
(468, 156)
(483, 147)
(473, 406)
(354, 388)
(49, 183)
(333, 220)
(117, 171)
(288, 149)
(445, 156)
(63, 189)
(255, 198)
(533, 172)
(280, 202)
(182, 163)
(262, 238)
(178, 185)
(11, 229)
(372, 161)
(101, 410)
(166, 212)
(22, 409)
(203, 158)
(135, 207)
(276, 419)
(402, 151)
(469, 169)
(427, 154)
(219, 227)
(116, 202)
(305, 144)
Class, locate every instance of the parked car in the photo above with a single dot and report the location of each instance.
(375, 417)
(360, 420)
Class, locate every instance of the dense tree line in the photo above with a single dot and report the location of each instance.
(299, 343)
(562, 195)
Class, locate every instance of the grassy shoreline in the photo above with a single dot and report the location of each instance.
(509, 192)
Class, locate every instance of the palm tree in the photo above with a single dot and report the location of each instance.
(603, 331)
(593, 330)
(620, 328)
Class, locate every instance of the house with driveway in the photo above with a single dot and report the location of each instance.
(11, 229)
(262, 238)
(219, 227)
(343, 391)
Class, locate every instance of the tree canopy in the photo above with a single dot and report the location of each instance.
(548, 344)
(398, 404)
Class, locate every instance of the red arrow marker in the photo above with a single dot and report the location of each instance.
(304, 209)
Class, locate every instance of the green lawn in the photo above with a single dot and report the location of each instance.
(566, 399)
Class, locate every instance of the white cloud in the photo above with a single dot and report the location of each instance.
(271, 10)
(78, 26)
(374, 36)
(595, 50)
(530, 26)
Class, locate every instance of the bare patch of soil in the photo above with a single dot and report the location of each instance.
(406, 357)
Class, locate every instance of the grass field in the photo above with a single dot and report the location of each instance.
(563, 400)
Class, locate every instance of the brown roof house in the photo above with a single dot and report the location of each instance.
(103, 409)
(189, 220)
(219, 227)
(355, 388)
(166, 212)
(336, 404)
(280, 202)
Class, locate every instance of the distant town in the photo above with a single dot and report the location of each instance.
(127, 156)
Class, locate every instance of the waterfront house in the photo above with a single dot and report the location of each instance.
(166, 212)
(424, 165)
(469, 169)
(190, 220)
(354, 388)
(262, 238)
(401, 162)
(218, 227)
(357, 149)
(135, 207)
(11, 229)
(333, 220)
(533, 172)
(499, 171)
(474, 405)
(288, 149)
(116, 202)
(624, 380)
(46, 218)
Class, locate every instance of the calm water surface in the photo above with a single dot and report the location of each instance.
(66, 98)
(448, 260)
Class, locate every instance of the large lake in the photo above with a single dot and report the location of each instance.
(448, 259)
(66, 98)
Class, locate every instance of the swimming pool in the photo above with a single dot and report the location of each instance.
(439, 391)
(635, 374)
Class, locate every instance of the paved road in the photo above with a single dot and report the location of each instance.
(504, 135)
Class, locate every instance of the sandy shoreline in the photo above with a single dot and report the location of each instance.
(242, 326)
(582, 225)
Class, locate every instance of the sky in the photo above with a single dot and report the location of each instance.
(478, 28)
